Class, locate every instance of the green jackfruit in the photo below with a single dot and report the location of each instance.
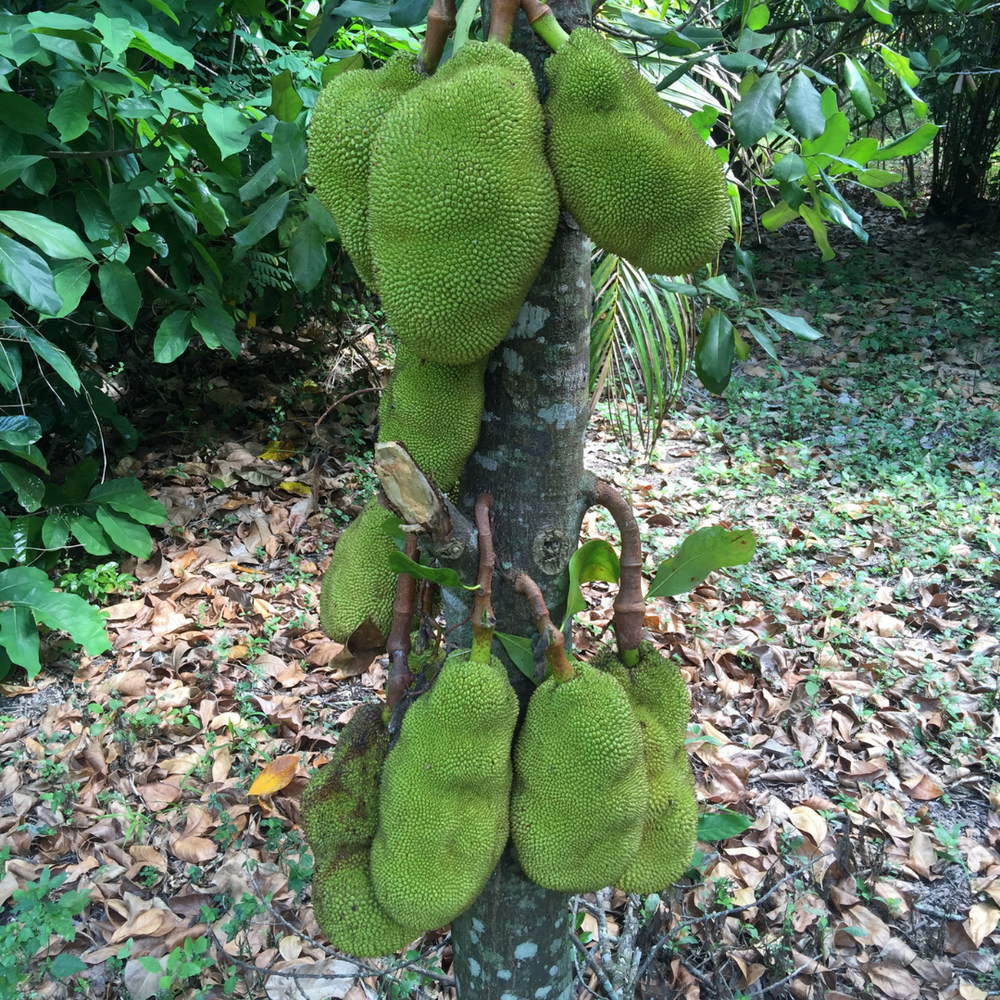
(659, 694)
(340, 816)
(358, 584)
(445, 799)
(435, 410)
(463, 204)
(580, 786)
(348, 113)
(633, 172)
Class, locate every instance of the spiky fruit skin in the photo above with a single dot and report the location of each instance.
(435, 410)
(632, 171)
(580, 786)
(445, 797)
(463, 204)
(348, 113)
(358, 584)
(339, 817)
(659, 694)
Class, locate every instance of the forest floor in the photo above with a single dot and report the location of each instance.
(843, 683)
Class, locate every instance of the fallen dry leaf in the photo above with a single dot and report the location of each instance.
(277, 775)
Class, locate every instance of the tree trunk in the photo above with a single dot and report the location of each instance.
(513, 943)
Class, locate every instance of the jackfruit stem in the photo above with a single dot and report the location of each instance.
(555, 652)
(502, 14)
(398, 643)
(483, 620)
(440, 24)
(544, 24)
(629, 607)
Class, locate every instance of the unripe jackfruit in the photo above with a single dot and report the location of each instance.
(580, 787)
(435, 410)
(659, 695)
(340, 816)
(633, 172)
(445, 797)
(358, 584)
(463, 204)
(348, 113)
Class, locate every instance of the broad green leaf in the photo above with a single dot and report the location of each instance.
(596, 559)
(164, 7)
(125, 205)
(722, 825)
(90, 535)
(127, 496)
(861, 150)
(794, 324)
(161, 48)
(265, 220)
(21, 114)
(790, 167)
(120, 291)
(116, 32)
(260, 181)
(285, 101)
(832, 141)
(889, 201)
(878, 12)
(517, 647)
(48, 351)
(13, 166)
(173, 336)
(466, 15)
(815, 222)
(19, 430)
(65, 964)
(899, 64)
(740, 62)
(859, 91)
(804, 107)
(701, 553)
(754, 116)
(758, 17)
(407, 13)
(28, 274)
(10, 365)
(19, 637)
(719, 285)
(307, 258)
(355, 60)
(752, 40)
(216, 327)
(55, 531)
(288, 148)
(440, 575)
(226, 126)
(71, 112)
(125, 533)
(29, 488)
(373, 12)
(72, 282)
(909, 144)
(53, 238)
(715, 351)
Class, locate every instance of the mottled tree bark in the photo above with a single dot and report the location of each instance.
(513, 943)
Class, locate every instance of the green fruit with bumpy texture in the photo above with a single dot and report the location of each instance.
(339, 817)
(659, 694)
(580, 786)
(633, 172)
(445, 797)
(435, 410)
(463, 204)
(358, 585)
(348, 113)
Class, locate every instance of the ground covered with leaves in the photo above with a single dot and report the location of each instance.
(844, 682)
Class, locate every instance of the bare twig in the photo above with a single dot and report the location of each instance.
(608, 988)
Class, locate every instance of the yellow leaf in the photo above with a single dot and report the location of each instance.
(294, 486)
(277, 451)
(809, 822)
(276, 775)
(251, 320)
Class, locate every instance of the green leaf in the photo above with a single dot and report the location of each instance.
(120, 291)
(29, 488)
(13, 166)
(53, 238)
(832, 141)
(226, 126)
(28, 274)
(307, 256)
(22, 115)
(216, 327)
(71, 112)
(794, 324)
(715, 351)
(28, 587)
(116, 32)
(72, 281)
(440, 575)
(288, 148)
(755, 114)
(260, 181)
(859, 91)
(127, 496)
(125, 533)
(804, 107)
(722, 825)
(596, 559)
(65, 965)
(285, 101)
(907, 145)
(517, 647)
(161, 48)
(173, 336)
(265, 220)
(55, 356)
(719, 285)
(790, 167)
(55, 531)
(407, 13)
(815, 222)
(19, 430)
(19, 637)
(90, 534)
(701, 553)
